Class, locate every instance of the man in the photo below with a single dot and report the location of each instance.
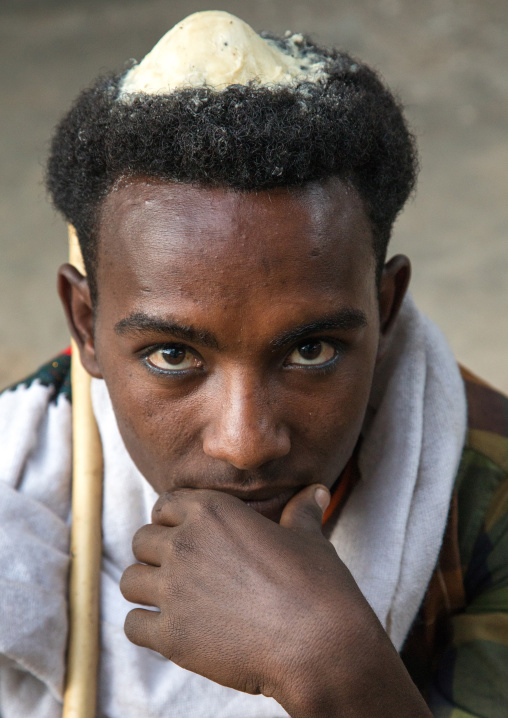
(256, 363)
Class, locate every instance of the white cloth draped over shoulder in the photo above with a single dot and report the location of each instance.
(389, 533)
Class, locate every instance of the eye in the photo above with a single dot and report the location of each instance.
(174, 357)
(314, 352)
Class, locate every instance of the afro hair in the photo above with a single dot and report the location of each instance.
(247, 137)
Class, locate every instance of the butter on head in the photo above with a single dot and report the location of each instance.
(216, 49)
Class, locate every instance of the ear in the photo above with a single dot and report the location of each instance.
(75, 297)
(393, 286)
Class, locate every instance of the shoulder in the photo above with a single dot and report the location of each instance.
(36, 435)
(54, 376)
(482, 480)
(463, 627)
(487, 420)
(35, 492)
(469, 591)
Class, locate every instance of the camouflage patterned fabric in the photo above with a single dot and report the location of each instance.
(457, 651)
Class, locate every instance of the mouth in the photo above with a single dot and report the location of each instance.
(269, 504)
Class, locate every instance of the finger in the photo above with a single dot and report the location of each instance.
(142, 627)
(304, 512)
(148, 542)
(170, 509)
(140, 584)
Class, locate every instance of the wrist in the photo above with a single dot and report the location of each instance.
(360, 675)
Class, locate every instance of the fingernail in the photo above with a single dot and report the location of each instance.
(322, 497)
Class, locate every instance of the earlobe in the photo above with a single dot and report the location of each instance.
(392, 290)
(75, 297)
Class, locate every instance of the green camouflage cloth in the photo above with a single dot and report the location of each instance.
(457, 651)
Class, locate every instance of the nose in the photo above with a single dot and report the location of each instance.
(244, 429)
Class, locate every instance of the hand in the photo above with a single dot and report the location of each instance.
(257, 606)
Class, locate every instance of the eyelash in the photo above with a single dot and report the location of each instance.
(339, 346)
(323, 369)
(147, 351)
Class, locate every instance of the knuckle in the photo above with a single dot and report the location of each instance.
(212, 507)
(158, 509)
(183, 544)
(131, 626)
(127, 581)
(172, 636)
(138, 539)
(309, 512)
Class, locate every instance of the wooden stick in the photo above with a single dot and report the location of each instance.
(80, 696)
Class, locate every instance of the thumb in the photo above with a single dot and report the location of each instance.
(304, 512)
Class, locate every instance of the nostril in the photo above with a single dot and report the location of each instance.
(247, 450)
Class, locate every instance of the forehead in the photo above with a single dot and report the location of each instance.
(159, 239)
(143, 215)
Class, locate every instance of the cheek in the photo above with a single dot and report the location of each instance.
(334, 425)
(334, 419)
(156, 430)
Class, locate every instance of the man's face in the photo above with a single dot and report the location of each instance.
(237, 333)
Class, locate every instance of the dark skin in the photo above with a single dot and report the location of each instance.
(238, 334)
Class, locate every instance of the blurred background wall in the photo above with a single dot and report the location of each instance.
(447, 59)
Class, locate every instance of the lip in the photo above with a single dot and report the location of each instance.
(261, 495)
(269, 506)
(267, 500)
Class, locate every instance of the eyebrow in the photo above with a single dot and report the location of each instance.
(345, 320)
(139, 323)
